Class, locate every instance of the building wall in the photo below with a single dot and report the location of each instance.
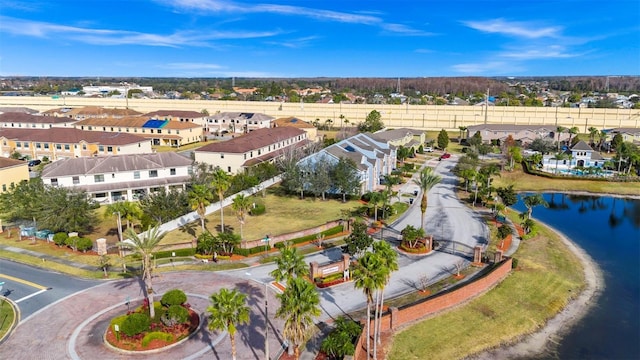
(125, 177)
(56, 151)
(231, 163)
(13, 175)
(187, 136)
(426, 117)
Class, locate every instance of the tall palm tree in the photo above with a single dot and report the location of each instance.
(241, 205)
(462, 130)
(426, 181)
(144, 245)
(228, 309)
(531, 201)
(369, 274)
(289, 264)
(573, 131)
(557, 157)
(593, 132)
(559, 131)
(375, 200)
(221, 181)
(488, 171)
(390, 259)
(200, 197)
(127, 210)
(299, 305)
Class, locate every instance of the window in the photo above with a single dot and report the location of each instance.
(178, 132)
(26, 145)
(67, 147)
(104, 128)
(101, 148)
(46, 146)
(221, 156)
(90, 127)
(172, 171)
(54, 182)
(111, 129)
(76, 180)
(84, 146)
(58, 146)
(98, 178)
(228, 168)
(190, 170)
(159, 131)
(153, 173)
(113, 176)
(136, 175)
(109, 148)
(18, 145)
(4, 187)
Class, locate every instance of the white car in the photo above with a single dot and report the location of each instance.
(428, 149)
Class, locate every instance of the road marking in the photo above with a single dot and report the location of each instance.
(30, 296)
(29, 283)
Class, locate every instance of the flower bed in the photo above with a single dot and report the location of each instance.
(152, 339)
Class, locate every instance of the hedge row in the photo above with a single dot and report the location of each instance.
(178, 252)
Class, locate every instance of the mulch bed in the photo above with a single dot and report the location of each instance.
(135, 343)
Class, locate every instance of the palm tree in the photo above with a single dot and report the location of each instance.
(289, 264)
(488, 171)
(241, 205)
(530, 201)
(127, 210)
(573, 131)
(557, 157)
(228, 309)
(390, 259)
(375, 200)
(369, 274)
(299, 305)
(144, 245)
(462, 130)
(199, 198)
(559, 130)
(467, 175)
(426, 181)
(221, 182)
(592, 135)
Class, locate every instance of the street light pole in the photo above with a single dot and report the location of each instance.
(120, 249)
(266, 320)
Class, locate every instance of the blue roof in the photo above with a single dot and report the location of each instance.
(155, 124)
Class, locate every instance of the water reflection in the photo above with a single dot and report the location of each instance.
(608, 229)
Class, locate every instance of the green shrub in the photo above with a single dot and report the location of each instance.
(173, 297)
(178, 252)
(118, 320)
(72, 242)
(135, 324)
(258, 210)
(176, 314)
(84, 244)
(156, 335)
(514, 263)
(60, 238)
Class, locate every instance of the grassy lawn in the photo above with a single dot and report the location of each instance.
(526, 182)
(6, 317)
(548, 277)
(284, 214)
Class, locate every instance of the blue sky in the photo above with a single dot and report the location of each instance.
(347, 38)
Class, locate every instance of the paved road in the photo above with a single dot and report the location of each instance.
(34, 288)
(456, 226)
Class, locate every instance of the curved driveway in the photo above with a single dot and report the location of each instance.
(73, 328)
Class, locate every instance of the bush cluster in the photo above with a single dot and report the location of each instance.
(258, 210)
(176, 314)
(156, 335)
(135, 324)
(173, 297)
(60, 238)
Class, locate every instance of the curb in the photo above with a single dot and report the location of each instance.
(16, 319)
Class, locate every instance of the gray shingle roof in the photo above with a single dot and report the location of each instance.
(254, 140)
(113, 164)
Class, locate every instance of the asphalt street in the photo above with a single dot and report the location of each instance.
(34, 288)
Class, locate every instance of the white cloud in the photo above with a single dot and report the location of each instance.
(528, 30)
(118, 37)
(491, 67)
(550, 52)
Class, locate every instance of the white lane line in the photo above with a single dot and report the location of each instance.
(30, 296)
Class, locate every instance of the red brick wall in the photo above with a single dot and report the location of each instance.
(417, 311)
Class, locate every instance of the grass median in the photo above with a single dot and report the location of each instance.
(7, 316)
(548, 276)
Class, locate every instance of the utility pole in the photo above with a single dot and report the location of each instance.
(266, 320)
(121, 250)
(486, 107)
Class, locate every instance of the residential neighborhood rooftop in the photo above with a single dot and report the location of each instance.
(70, 136)
(253, 140)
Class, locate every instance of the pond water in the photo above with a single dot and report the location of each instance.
(608, 229)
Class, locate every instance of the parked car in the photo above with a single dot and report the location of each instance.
(34, 162)
(445, 156)
(428, 149)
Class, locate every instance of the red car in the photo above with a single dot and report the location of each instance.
(445, 156)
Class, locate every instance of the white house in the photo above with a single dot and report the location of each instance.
(120, 177)
(262, 145)
(22, 120)
(374, 158)
(237, 122)
(581, 155)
